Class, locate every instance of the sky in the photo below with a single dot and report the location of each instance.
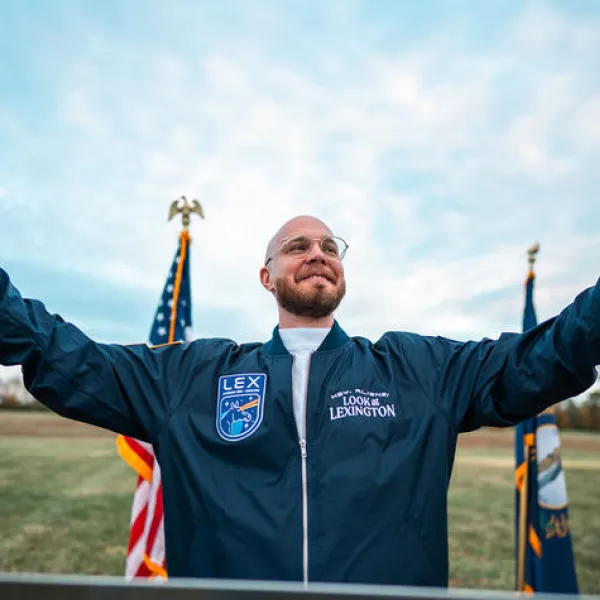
(440, 139)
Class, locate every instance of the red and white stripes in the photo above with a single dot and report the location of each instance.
(146, 551)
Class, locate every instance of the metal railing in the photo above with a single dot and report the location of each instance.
(25, 586)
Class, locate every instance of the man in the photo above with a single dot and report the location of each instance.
(314, 456)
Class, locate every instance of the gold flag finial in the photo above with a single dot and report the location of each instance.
(532, 253)
(181, 205)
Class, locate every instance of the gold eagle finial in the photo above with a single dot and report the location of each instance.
(532, 253)
(185, 208)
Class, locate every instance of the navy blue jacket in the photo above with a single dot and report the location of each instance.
(382, 421)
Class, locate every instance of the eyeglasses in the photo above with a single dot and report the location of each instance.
(331, 245)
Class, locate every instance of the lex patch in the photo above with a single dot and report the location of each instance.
(240, 404)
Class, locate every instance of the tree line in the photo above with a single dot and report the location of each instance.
(13, 395)
(569, 414)
(579, 415)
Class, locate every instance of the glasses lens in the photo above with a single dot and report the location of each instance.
(299, 246)
(296, 246)
(330, 246)
(341, 246)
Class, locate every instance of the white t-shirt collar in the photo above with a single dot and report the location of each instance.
(297, 339)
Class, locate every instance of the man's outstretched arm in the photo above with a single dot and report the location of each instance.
(501, 382)
(553, 361)
(126, 389)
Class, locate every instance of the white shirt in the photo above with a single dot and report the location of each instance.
(301, 342)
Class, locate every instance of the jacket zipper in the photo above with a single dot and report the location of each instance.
(304, 513)
(303, 455)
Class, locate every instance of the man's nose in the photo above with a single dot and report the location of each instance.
(316, 252)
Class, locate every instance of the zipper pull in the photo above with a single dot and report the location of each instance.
(303, 448)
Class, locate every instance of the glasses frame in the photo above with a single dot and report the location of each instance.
(319, 239)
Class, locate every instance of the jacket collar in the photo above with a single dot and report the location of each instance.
(336, 338)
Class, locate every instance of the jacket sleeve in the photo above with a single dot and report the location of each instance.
(502, 382)
(127, 389)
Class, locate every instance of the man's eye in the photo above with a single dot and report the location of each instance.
(330, 247)
(297, 247)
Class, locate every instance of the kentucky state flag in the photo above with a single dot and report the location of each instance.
(546, 560)
(172, 323)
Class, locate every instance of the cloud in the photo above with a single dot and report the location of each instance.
(440, 158)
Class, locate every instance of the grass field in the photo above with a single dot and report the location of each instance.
(66, 496)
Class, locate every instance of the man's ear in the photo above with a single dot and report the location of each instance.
(265, 279)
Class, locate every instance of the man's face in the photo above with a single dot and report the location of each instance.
(305, 271)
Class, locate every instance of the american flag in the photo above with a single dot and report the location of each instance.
(172, 323)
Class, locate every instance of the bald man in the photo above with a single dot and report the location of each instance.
(314, 456)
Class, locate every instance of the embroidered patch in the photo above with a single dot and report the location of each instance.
(240, 403)
(357, 402)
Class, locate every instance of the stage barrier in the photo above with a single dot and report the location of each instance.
(27, 586)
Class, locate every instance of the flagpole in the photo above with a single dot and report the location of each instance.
(531, 256)
(523, 498)
(524, 494)
(532, 253)
(185, 209)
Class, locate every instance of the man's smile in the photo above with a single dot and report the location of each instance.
(317, 277)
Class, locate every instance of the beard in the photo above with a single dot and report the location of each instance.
(315, 303)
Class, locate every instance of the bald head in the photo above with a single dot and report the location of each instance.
(302, 224)
(307, 280)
